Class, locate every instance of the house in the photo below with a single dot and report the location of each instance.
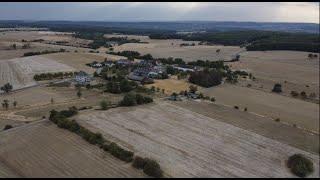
(184, 69)
(82, 78)
(124, 62)
(136, 77)
(108, 64)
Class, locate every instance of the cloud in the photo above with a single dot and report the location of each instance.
(163, 11)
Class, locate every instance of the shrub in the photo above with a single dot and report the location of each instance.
(128, 100)
(277, 119)
(300, 165)
(245, 109)
(303, 94)
(104, 105)
(236, 107)
(294, 94)
(277, 88)
(138, 162)
(152, 168)
(120, 153)
(8, 126)
(213, 99)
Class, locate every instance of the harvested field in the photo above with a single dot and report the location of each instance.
(20, 71)
(279, 66)
(261, 125)
(293, 111)
(79, 60)
(188, 144)
(88, 98)
(48, 151)
(171, 48)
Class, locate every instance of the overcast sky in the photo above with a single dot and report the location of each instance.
(162, 11)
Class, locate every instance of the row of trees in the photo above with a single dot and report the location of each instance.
(6, 104)
(149, 166)
(50, 76)
(132, 99)
(43, 52)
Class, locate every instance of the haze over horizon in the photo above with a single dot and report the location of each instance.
(294, 12)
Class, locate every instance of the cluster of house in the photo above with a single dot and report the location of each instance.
(146, 71)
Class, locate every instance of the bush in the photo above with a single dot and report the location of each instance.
(213, 99)
(300, 165)
(277, 120)
(104, 105)
(236, 107)
(138, 162)
(120, 153)
(245, 109)
(277, 88)
(8, 126)
(152, 168)
(294, 94)
(128, 100)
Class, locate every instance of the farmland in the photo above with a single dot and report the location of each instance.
(47, 151)
(293, 111)
(20, 71)
(188, 144)
(188, 138)
(171, 48)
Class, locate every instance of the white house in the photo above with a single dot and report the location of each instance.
(82, 78)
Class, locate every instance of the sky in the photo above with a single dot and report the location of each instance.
(162, 11)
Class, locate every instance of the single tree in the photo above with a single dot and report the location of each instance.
(5, 104)
(104, 105)
(6, 88)
(79, 94)
(277, 88)
(15, 103)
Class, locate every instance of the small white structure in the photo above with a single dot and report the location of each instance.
(82, 78)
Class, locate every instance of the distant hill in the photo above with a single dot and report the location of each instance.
(179, 25)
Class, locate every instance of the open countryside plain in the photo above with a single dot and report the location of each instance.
(171, 48)
(47, 151)
(188, 144)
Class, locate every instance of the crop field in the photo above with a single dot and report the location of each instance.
(20, 71)
(299, 72)
(79, 60)
(278, 131)
(48, 151)
(171, 48)
(188, 144)
(293, 111)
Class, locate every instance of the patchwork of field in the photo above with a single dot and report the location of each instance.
(171, 48)
(48, 151)
(20, 71)
(188, 144)
(293, 111)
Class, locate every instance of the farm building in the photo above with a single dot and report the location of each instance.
(82, 78)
